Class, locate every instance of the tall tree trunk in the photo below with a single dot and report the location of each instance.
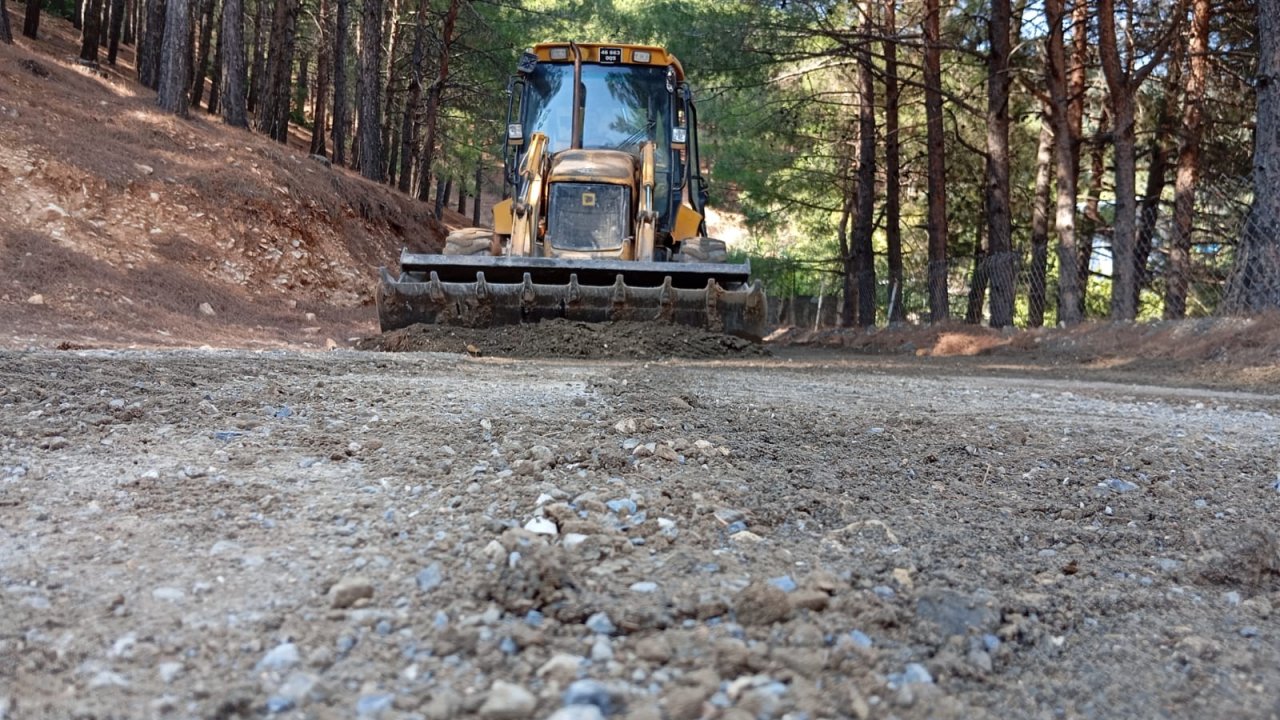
(215, 76)
(434, 94)
(1255, 281)
(175, 58)
(77, 19)
(939, 300)
(1036, 293)
(202, 56)
(369, 128)
(849, 273)
(89, 39)
(149, 49)
(6, 34)
(1184, 190)
(475, 199)
(892, 166)
(978, 278)
(1092, 222)
(234, 103)
(301, 88)
(390, 96)
(443, 188)
(272, 113)
(462, 197)
(341, 125)
(409, 128)
(31, 21)
(117, 26)
(999, 225)
(130, 22)
(259, 64)
(1067, 117)
(1157, 169)
(864, 224)
(324, 69)
(104, 22)
(1123, 230)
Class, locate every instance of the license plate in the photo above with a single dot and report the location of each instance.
(610, 56)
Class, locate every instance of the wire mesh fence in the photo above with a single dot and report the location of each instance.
(1218, 268)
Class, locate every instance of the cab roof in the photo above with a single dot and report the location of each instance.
(591, 53)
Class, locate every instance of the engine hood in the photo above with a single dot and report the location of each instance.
(599, 166)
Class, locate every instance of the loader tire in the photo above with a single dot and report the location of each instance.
(468, 241)
(702, 250)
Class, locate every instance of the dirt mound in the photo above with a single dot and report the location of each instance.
(128, 225)
(567, 339)
(1240, 351)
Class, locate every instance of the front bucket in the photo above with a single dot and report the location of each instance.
(425, 298)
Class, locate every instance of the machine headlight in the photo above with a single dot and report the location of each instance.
(515, 132)
(679, 135)
(559, 53)
(640, 56)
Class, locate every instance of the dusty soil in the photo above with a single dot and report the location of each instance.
(568, 339)
(227, 534)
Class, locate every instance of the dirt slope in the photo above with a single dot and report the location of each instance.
(121, 220)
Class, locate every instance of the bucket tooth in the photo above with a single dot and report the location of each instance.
(435, 289)
(575, 292)
(482, 288)
(667, 300)
(527, 295)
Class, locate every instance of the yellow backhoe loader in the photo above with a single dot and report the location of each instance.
(603, 216)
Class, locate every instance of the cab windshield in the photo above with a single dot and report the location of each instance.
(626, 106)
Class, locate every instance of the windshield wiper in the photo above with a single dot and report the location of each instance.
(637, 135)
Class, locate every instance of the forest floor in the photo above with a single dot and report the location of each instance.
(201, 518)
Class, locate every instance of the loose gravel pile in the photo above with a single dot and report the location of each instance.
(568, 339)
(222, 535)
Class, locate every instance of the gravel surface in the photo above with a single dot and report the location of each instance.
(235, 534)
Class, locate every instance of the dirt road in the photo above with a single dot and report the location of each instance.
(230, 534)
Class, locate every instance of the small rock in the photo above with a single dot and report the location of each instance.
(349, 591)
(106, 678)
(1249, 631)
(144, 169)
(507, 701)
(746, 537)
(36, 299)
(542, 526)
(577, 712)
(168, 671)
(644, 587)
(917, 673)
(761, 604)
(622, 505)
(561, 668)
(168, 594)
(783, 583)
(600, 624)
(1119, 485)
(591, 693)
(601, 649)
(430, 577)
(374, 705)
(281, 657)
(860, 639)
(655, 649)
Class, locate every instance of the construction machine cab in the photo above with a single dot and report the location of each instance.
(620, 148)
